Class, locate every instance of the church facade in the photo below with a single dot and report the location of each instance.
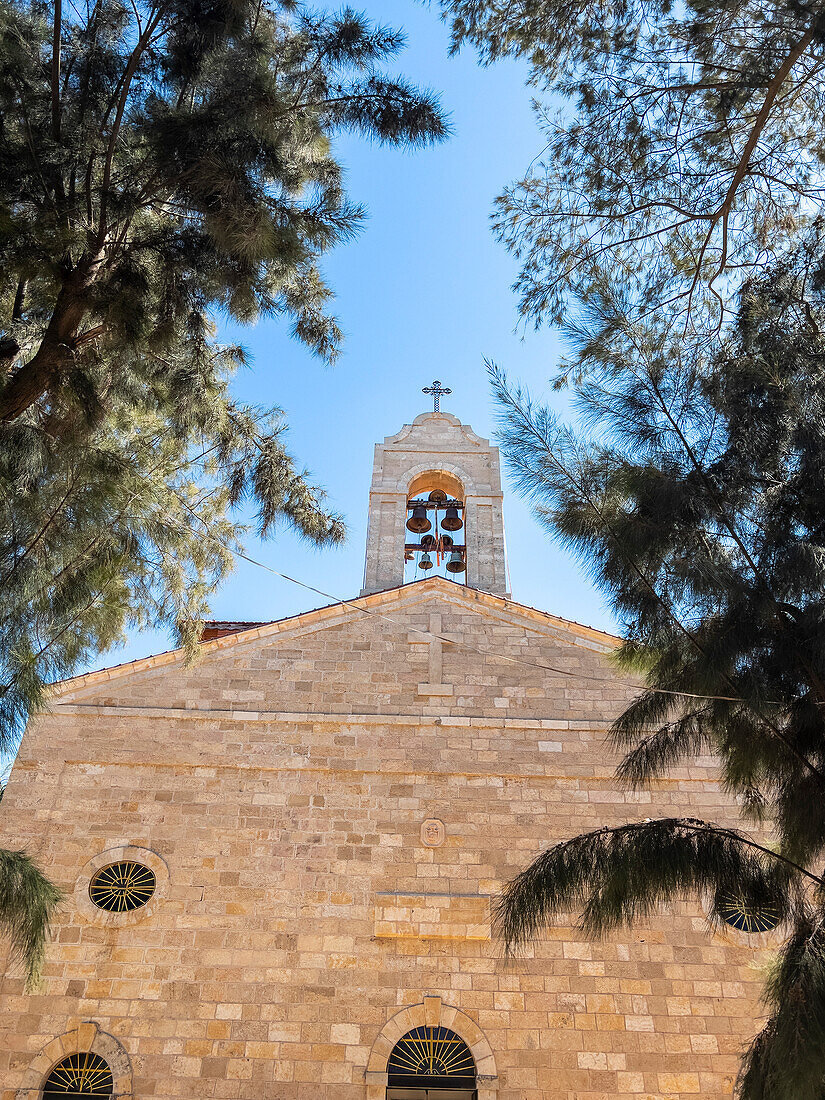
(279, 863)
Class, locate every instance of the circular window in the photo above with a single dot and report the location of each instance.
(79, 1076)
(745, 917)
(122, 887)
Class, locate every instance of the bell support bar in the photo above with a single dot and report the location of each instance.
(444, 550)
(434, 505)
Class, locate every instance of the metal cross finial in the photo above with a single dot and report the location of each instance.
(437, 392)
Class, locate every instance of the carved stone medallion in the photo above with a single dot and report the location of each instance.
(432, 832)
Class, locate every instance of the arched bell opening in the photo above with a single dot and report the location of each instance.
(431, 1063)
(435, 543)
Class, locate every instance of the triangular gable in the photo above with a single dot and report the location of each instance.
(360, 631)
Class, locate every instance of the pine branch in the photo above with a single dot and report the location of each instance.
(527, 447)
(681, 181)
(729, 522)
(620, 875)
(28, 903)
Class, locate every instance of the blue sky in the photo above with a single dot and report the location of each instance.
(422, 293)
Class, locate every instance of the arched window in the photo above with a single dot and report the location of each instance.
(78, 1077)
(431, 1063)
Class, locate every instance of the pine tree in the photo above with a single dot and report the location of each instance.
(160, 163)
(161, 159)
(683, 144)
(694, 495)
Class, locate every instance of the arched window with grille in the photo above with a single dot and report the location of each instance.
(79, 1076)
(431, 1063)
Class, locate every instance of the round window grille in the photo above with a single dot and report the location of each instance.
(745, 917)
(431, 1056)
(121, 887)
(79, 1076)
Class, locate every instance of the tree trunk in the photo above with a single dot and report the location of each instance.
(43, 370)
(8, 352)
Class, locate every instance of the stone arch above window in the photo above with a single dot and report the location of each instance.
(86, 1037)
(434, 1013)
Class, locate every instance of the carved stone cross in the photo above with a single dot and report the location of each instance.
(435, 672)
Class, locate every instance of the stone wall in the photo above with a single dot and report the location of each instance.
(288, 791)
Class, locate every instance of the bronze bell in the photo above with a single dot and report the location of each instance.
(418, 521)
(456, 562)
(452, 520)
(446, 543)
(428, 542)
(426, 561)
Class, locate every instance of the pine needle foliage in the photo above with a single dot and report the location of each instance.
(28, 902)
(693, 495)
(161, 163)
(795, 1035)
(164, 158)
(133, 524)
(683, 143)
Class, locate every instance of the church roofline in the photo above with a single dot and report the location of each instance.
(251, 631)
(219, 628)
